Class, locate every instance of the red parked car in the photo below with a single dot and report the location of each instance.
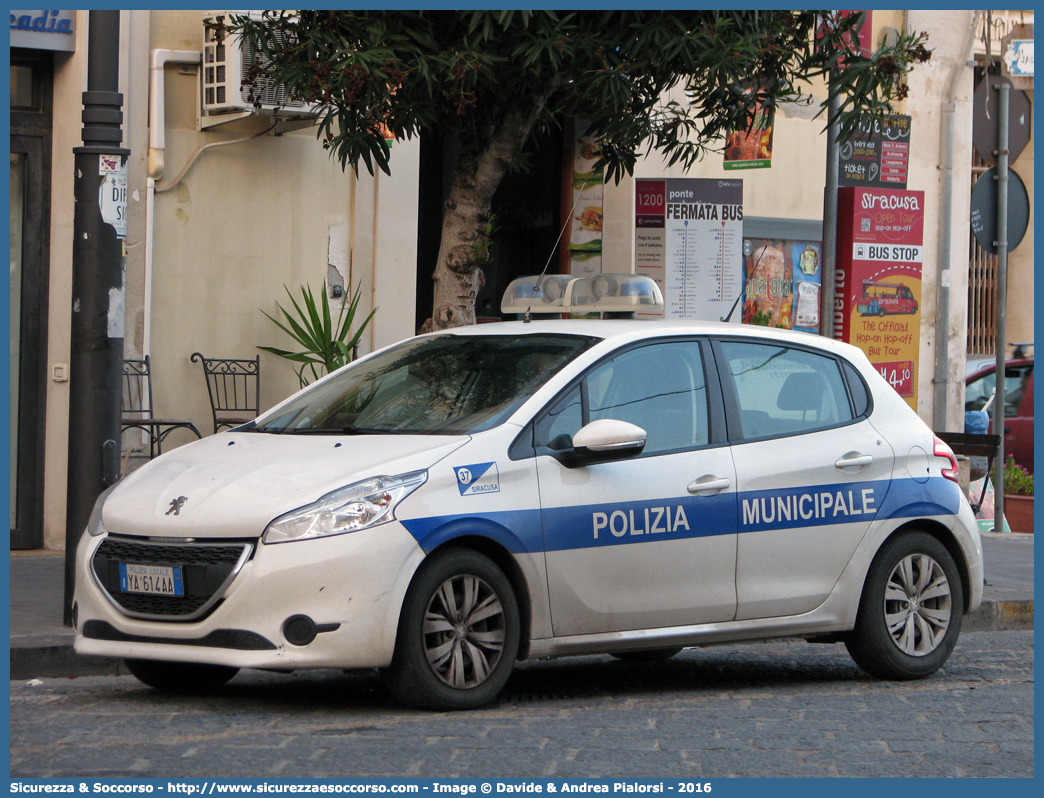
(1018, 405)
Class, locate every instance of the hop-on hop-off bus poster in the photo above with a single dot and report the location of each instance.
(689, 239)
(880, 233)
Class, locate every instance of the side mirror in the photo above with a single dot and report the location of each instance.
(607, 439)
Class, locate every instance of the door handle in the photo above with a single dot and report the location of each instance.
(708, 484)
(854, 460)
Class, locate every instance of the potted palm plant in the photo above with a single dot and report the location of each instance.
(326, 343)
(1018, 496)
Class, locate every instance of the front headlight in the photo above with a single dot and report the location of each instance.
(94, 524)
(348, 509)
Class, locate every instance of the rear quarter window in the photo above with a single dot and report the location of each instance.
(860, 395)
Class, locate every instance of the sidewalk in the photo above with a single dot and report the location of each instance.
(42, 647)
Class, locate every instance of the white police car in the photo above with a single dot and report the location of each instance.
(462, 500)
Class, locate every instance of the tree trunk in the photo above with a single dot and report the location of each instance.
(484, 159)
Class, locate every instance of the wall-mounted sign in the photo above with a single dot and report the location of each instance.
(112, 195)
(878, 280)
(1018, 58)
(688, 238)
(44, 30)
(878, 158)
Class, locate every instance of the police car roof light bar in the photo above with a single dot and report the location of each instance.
(555, 294)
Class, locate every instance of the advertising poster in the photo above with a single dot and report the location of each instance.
(751, 149)
(688, 238)
(878, 158)
(878, 281)
(782, 281)
(585, 222)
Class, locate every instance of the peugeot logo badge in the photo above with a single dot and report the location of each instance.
(176, 505)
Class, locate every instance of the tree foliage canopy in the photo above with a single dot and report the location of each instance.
(462, 71)
(674, 82)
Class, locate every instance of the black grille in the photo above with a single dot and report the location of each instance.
(205, 569)
(238, 639)
(167, 554)
(159, 605)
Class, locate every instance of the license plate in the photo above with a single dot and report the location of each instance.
(153, 580)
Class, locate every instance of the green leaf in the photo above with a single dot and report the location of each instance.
(326, 343)
(319, 334)
(292, 333)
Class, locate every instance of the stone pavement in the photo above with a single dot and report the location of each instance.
(777, 709)
(42, 647)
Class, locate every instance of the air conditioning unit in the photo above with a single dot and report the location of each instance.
(227, 59)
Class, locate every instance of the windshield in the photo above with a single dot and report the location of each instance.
(448, 384)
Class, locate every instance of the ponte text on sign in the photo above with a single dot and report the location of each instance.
(689, 239)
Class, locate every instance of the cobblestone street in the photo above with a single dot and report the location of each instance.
(777, 709)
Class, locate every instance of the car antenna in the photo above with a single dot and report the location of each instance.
(734, 304)
(733, 309)
(540, 279)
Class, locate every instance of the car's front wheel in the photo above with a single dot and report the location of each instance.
(181, 677)
(910, 611)
(458, 634)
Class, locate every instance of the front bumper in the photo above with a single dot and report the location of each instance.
(352, 587)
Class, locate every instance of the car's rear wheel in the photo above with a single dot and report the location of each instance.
(458, 634)
(910, 611)
(181, 677)
(649, 655)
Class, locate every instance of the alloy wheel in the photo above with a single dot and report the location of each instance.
(464, 631)
(917, 605)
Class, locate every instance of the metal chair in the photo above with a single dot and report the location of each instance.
(137, 406)
(234, 386)
(974, 445)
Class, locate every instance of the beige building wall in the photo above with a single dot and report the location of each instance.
(1020, 261)
(245, 219)
(69, 84)
(946, 78)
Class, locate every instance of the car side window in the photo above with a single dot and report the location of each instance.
(860, 396)
(660, 388)
(1016, 378)
(978, 392)
(785, 391)
(563, 420)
